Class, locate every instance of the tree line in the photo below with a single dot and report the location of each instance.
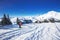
(5, 20)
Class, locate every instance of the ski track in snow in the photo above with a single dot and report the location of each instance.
(35, 35)
(40, 32)
(11, 34)
(38, 35)
(8, 34)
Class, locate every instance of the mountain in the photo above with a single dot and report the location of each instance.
(49, 15)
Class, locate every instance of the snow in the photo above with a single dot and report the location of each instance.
(48, 15)
(33, 31)
(46, 32)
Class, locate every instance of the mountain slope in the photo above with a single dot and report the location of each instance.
(44, 31)
(50, 14)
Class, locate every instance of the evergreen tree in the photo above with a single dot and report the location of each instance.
(5, 20)
(8, 20)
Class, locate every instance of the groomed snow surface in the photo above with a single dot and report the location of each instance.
(33, 31)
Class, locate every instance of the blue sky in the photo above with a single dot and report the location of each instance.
(28, 7)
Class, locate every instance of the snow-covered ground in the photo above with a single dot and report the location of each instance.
(33, 31)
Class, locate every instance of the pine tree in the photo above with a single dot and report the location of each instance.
(8, 20)
(5, 20)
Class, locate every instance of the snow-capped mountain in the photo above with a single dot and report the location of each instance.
(48, 15)
(51, 14)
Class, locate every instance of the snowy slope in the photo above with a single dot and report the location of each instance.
(43, 31)
(48, 15)
(46, 32)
